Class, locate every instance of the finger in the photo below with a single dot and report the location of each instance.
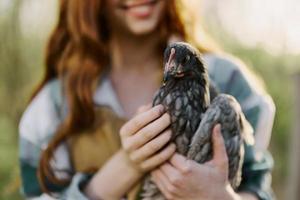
(173, 175)
(151, 147)
(171, 189)
(144, 108)
(150, 131)
(158, 158)
(180, 162)
(220, 158)
(140, 120)
(161, 186)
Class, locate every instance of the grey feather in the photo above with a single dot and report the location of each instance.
(224, 110)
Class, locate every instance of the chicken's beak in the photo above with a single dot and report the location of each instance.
(179, 71)
(175, 71)
(167, 76)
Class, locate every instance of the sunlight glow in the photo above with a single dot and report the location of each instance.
(4, 7)
(273, 24)
(37, 18)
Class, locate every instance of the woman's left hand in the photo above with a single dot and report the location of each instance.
(185, 179)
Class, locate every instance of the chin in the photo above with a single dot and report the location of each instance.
(143, 28)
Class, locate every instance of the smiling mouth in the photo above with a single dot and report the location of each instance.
(129, 5)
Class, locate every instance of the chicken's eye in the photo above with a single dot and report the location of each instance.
(186, 59)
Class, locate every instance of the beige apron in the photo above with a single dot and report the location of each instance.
(92, 148)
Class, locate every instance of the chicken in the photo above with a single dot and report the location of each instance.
(185, 94)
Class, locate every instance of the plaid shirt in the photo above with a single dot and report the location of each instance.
(47, 110)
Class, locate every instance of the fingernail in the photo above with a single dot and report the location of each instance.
(218, 127)
(161, 109)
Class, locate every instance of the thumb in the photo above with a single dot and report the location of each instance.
(220, 158)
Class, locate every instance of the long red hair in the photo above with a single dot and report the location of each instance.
(77, 55)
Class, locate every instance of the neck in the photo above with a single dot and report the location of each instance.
(136, 53)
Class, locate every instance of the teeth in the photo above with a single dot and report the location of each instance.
(132, 4)
(141, 9)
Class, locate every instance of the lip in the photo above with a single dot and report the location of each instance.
(128, 5)
(139, 9)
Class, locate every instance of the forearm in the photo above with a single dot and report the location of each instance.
(114, 179)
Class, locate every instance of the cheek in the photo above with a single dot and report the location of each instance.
(111, 5)
(114, 15)
(112, 2)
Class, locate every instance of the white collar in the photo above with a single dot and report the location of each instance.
(105, 95)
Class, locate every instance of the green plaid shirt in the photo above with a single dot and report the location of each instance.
(42, 117)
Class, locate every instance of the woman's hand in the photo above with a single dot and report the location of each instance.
(185, 179)
(144, 136)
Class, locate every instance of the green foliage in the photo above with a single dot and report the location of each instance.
(19, 71)
(277, 78)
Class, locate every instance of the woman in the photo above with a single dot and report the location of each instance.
(109, 53)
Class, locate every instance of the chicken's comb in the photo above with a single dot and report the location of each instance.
(172, 54)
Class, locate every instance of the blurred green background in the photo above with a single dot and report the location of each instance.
(24, 29)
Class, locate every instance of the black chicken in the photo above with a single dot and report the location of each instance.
(186, 97)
